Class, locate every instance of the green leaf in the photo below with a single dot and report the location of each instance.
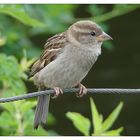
(57, 20)
(80, 122)
(18, 12)
(6, 120)
(27, 106)
(96, 9)
(3, 40)
(96, 118)
(31, 131)
(112, 117)
(52, 133)
(115, 132)
(9, 107)
(109, 46)
(51, 119)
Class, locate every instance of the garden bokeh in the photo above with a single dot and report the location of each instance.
(24, 30)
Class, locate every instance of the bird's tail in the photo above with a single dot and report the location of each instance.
(41, 110)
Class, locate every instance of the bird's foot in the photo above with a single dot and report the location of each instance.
(58, 91)
(83, 90)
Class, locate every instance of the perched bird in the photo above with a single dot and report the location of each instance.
(65, 61)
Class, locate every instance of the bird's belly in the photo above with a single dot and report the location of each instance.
(67, 70)
(62, 75)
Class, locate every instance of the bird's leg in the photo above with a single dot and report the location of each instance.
(58, 91)
(83, 90)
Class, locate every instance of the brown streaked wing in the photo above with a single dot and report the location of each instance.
(51, 49)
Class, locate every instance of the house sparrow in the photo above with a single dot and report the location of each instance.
(65, 61)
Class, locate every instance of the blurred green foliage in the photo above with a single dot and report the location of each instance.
(21, 30)
(17, 11)
(101, 128)
(16, 118)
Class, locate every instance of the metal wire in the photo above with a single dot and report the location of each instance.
(72, 90)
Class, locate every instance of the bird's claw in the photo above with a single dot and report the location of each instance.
(58, 91)
(83, 90)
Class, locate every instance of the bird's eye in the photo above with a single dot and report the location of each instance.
(93, 33)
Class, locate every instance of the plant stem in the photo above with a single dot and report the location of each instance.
(115, 13)
(18, 115)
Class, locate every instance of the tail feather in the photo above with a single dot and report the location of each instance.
(41, 110)
(45, 109)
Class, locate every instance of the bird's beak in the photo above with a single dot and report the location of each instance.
(104, 37)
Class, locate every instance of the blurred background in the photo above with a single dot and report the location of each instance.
(24, 30)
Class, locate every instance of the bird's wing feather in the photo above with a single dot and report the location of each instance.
(51, 49)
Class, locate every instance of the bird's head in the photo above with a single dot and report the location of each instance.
(86, 33)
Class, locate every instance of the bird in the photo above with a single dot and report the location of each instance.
(65, 61)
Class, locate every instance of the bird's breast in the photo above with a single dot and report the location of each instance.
(81, 57)
(69, 68)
